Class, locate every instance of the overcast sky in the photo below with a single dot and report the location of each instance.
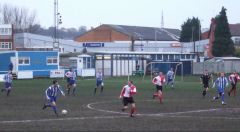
(92, 13)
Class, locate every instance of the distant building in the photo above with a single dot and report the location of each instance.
(39, 63)
(29, 41)
(113, 33)
(133, 35)
(6, 37)
(235, 32)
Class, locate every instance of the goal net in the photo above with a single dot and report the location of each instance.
(153, 69)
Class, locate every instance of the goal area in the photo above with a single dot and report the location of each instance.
(153, 69)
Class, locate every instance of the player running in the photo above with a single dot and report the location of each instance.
(221, 83)
(159, 82)
(99, 82)
(8, 82)
(170, 77)
(51, 95)
(127, 94)
(205, 81)
(233, 78)
(71, 75)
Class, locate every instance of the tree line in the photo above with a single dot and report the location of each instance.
(24, 20)
(223, 44)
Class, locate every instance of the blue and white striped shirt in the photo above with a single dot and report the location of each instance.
(8, 78)
(99, 76)
(53, 91)
(73, 75)
(221, 82)
(170, 74)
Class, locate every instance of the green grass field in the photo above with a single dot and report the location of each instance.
(183, 109)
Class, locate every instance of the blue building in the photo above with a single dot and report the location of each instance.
(40, 63)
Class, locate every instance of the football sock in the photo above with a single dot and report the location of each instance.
(95, 90)
(45, 106)
(68, 90)
(74, 90)
(155, 94)
(215, 98)
(101, 89)
(133, 110)
(222, 97)
(8, 92)
(54, 109)
(161, 99)
(204, 92)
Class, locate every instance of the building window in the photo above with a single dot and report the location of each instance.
(87, 62)
(188, 56)
(24, 60)
(171, 57)
(159, 57)
(183, 56)
(6, 45)
(52, 61)
(237, 41)
(165, 57)
(73, 64)
(153, 57)
(177, 57)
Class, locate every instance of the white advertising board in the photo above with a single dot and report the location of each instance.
(1, 77)
(24, 75)
(57, 73)
(86, 72)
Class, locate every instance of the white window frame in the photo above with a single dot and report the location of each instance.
(52, 60)
(5, 45)
(24, 58)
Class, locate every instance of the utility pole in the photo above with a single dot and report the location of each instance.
(57, 21)
(162, 22)
(193, 40)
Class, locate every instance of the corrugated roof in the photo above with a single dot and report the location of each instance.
(148, 33)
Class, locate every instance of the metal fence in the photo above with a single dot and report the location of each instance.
(216, 67)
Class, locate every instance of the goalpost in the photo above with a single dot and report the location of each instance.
(175, 68)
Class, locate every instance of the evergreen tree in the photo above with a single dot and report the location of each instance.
(190, 30)
(223, 44)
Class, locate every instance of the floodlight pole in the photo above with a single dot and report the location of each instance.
(57, 21)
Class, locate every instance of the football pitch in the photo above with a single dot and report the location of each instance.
(183, 108)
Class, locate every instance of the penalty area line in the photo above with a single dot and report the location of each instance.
(170, 114)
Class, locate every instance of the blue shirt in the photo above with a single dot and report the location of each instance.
(170, 74)
(221, 83)
(8, 78)
(99, 77)
(73, 76)
(53, 91)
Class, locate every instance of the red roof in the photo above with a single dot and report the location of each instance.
(234, 29)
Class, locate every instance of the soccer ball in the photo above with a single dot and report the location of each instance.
(64, 112)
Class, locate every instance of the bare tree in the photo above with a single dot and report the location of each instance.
(22, 19)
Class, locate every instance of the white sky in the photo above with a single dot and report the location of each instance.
(92, 13)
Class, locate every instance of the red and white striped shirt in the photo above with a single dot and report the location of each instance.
(234, 78)
(159, 80)
(128, 91)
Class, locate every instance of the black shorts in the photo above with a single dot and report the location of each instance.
(127, 100)
(158, 88)
(205, 85)
(233, 86)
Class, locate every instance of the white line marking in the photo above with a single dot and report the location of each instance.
(91, 106)
(125, 115)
